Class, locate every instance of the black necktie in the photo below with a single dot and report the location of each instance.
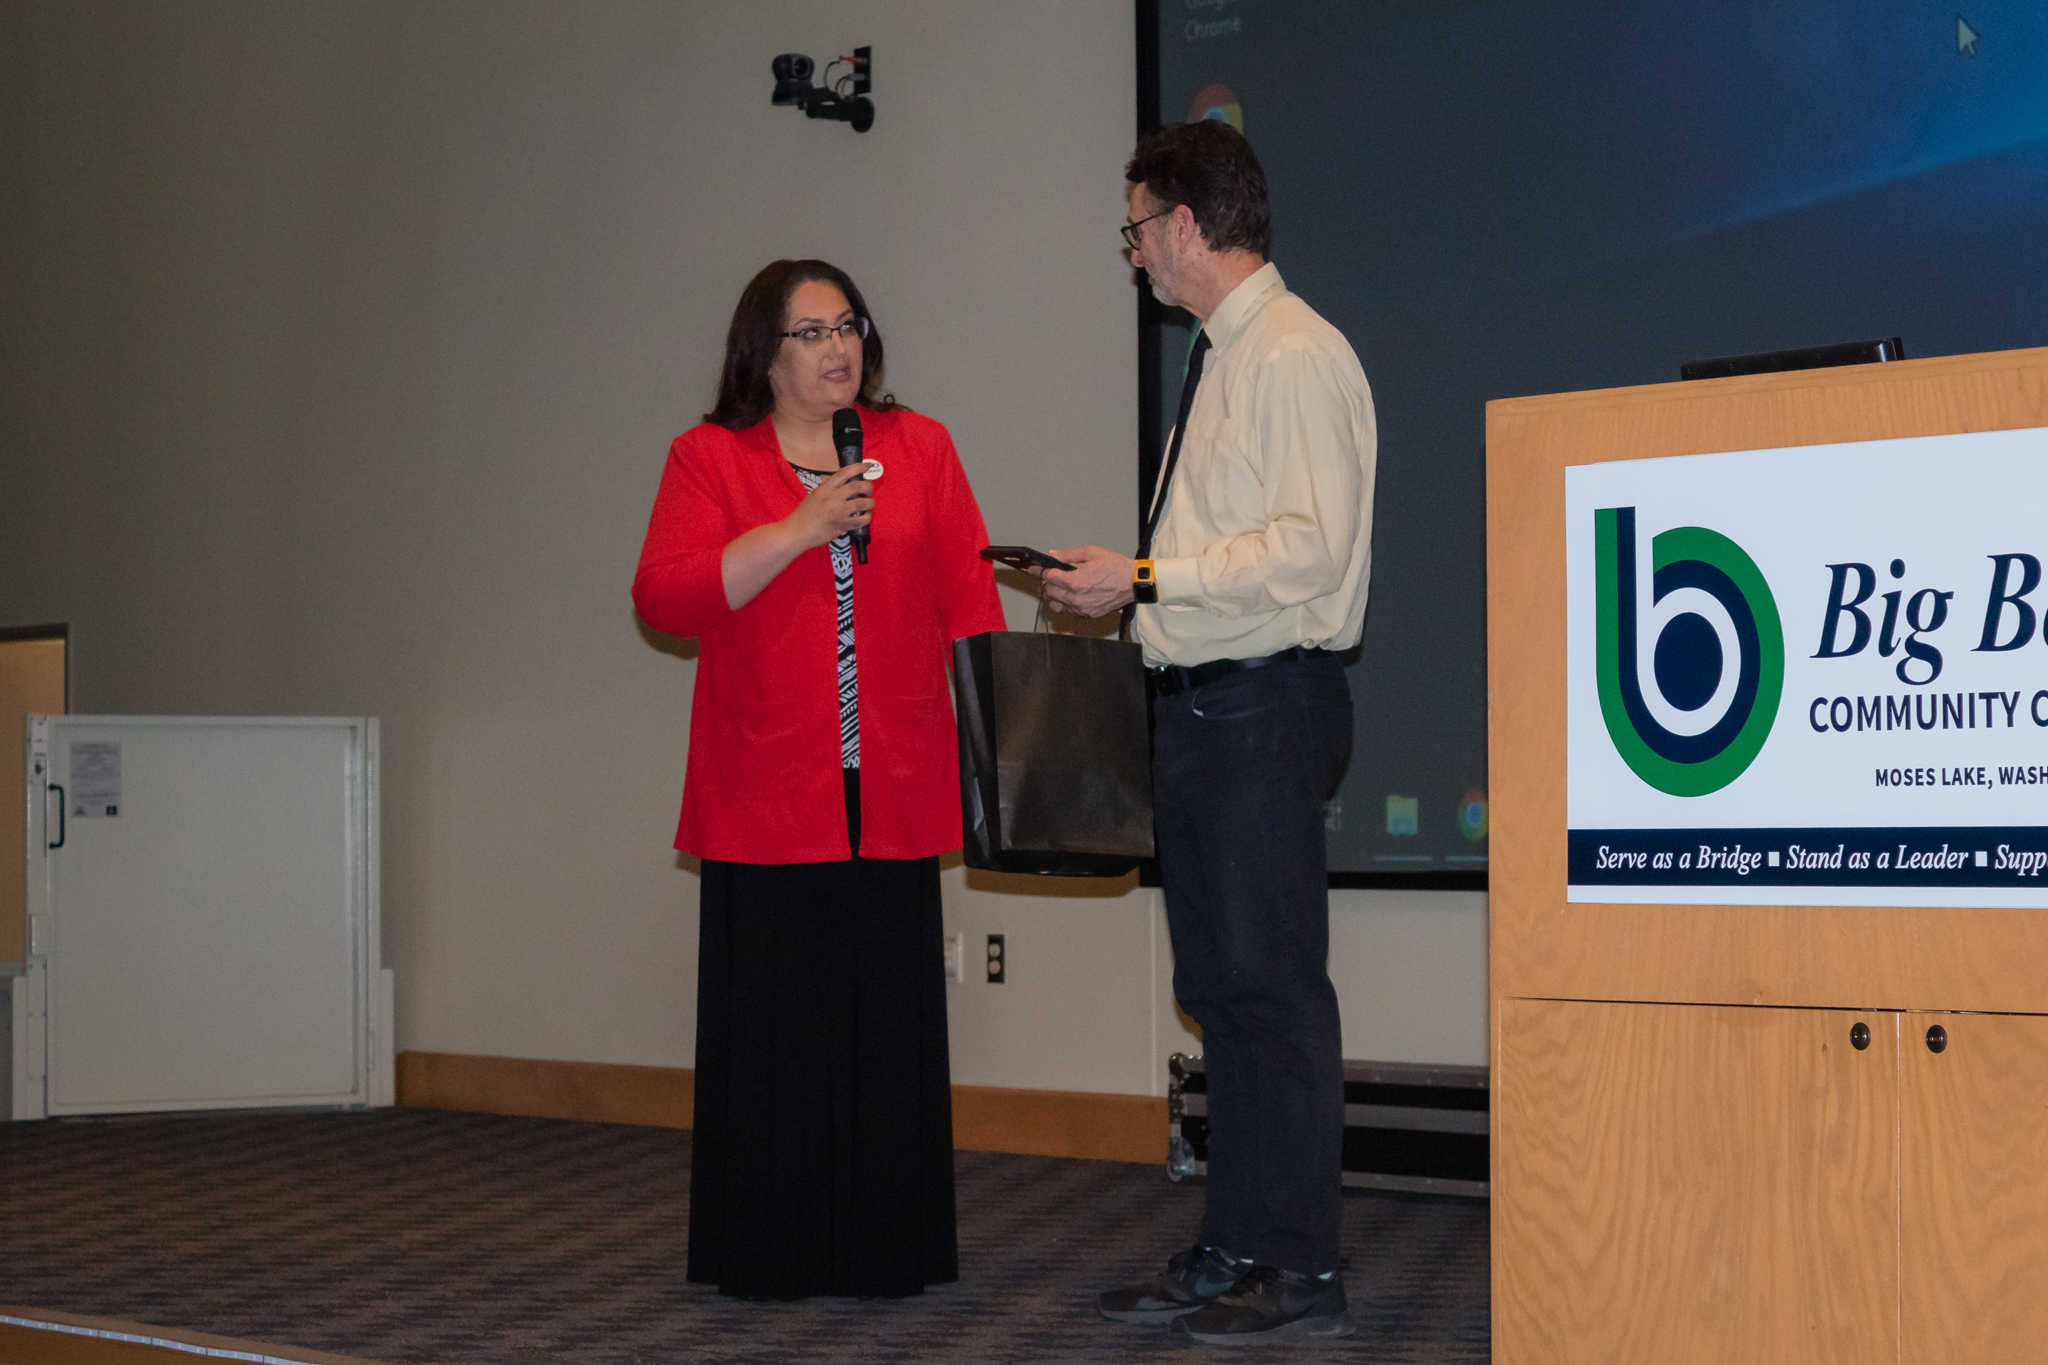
(1180, 429)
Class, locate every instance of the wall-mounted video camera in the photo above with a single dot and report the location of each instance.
(845, 99)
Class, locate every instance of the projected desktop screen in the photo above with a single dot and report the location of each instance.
(1493, 200)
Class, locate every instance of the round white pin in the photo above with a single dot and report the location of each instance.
(874, 471)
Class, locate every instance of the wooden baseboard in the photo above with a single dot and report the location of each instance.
(985, 1118)
(598, 1092)
(1060, 1123)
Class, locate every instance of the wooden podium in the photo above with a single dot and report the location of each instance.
(1690, 1160)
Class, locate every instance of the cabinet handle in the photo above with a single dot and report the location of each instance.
(1859, 1035)
(1937, 1038)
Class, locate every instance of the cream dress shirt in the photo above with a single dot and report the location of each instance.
(1265, 541)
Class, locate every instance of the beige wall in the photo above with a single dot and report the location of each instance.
(343, 343)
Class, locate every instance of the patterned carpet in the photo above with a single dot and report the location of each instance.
(417, 1235)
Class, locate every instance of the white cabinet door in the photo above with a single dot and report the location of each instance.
(209, 906)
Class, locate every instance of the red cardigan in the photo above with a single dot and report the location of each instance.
(763, 783)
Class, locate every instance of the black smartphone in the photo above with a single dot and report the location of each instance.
(1022, 557)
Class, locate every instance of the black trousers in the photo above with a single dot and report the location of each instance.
(822, 1161)
(1241, 769)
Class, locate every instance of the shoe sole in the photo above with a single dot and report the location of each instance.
(1331, 1325)
(1147, 1314)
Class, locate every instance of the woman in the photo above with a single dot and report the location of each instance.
(823, 783)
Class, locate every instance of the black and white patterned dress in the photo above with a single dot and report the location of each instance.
(842, 585)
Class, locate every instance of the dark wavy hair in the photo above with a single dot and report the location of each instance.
(755, 338)
(1208, 166)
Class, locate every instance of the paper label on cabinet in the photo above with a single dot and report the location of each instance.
(95, 790)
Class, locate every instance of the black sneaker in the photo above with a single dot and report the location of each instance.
(1193, 1278)
(1271, 1304)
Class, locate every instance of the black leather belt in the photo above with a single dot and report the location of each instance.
(1173, 678)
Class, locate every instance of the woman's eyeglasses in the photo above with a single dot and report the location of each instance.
(848, 330)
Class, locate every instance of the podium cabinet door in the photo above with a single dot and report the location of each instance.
(1973, 1188)
(1680, 1183)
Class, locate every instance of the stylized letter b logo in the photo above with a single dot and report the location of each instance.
(1687, 718)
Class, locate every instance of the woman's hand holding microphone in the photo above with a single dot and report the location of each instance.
(844, 502)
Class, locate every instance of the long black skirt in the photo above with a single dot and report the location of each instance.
(822, 1161)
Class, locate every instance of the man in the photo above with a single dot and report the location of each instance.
(1253, 572)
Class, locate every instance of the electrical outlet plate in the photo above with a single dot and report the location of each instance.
(995, 958)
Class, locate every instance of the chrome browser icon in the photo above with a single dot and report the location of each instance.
(1218, 102)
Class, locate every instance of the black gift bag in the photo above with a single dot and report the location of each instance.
(1055, 754)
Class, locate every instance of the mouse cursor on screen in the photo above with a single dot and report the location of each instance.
(1966, 37)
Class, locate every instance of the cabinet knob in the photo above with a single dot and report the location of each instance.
(1937, 1038)
(1859, 1035)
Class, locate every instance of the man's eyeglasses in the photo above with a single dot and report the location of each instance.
(848, 330)
(1130, 230)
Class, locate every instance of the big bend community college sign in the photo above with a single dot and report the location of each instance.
(1815, 676)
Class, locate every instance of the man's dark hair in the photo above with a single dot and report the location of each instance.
(1209, 167)
(755, 338)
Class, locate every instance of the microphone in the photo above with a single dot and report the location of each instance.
(851, 440)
